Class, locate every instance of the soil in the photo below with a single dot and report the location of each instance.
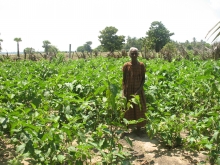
(144, 151)
(147, 151)
(7, 151)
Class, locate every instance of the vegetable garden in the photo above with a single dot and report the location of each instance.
(68, 112)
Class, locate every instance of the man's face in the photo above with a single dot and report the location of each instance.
(134, 54)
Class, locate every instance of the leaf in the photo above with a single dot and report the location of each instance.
(216, 136)
(211, 29)
(2, 120)
(69, 117)
(47, 154)
(79, 86)
(33, 127)
(56, 119)
(33, 105)
(46, 136)
(79, 162)
(125, 121)
(105, 144)
(71, 149)
(169, 142)
(94, 144)
(104, 99)
(218, 161)
(128, 141)
(140, 120)
(192, 139)
(46, 93)
(114, 89)
(132, 122)
(67, 109)
(101, 143)
(209, 146)
(11, 96)
(100, 90)
(37, 151)
(120, 155)
(60, 158)
(69, 85)
(20, 149)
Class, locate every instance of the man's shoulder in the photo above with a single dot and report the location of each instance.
(127, 63)
(141, 63)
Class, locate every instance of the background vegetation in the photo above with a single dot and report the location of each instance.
(63, 111)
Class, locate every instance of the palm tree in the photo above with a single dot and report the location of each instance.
(214, 31)
(0, 44)
(17, 40)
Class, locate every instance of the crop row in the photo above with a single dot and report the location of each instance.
(72, 111)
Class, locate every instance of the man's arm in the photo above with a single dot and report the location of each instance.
(141, 86)
(142, 81)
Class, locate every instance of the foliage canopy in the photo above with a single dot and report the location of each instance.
(85, 47)
(133, 42)
(109, 40)
(158, 35)
(48, 47)
(29, 50)
(46, 44)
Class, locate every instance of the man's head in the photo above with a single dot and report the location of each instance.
(133, 52)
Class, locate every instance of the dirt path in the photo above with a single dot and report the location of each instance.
(148, 151)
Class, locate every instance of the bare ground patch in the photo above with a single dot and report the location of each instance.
(145, 151)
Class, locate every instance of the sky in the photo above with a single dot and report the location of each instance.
(75, 22)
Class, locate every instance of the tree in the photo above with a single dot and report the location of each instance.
(158, 36)
(169, 51)
(132, 42)
(109, 40)
(18, 40)
(99, 48)
(214, 31)
(53, 49)
(194, 42)
(87, 46)
(0, 44)
(80, 49)
(29, 50)
(46, 45)
(145, 44)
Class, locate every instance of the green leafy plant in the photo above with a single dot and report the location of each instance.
(70, 112)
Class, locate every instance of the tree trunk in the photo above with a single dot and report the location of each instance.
(18, 49)
(25, 54)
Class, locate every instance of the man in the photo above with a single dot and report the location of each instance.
(133, 81)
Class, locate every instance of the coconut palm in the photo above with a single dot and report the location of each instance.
(218, 28)
(18, 40)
